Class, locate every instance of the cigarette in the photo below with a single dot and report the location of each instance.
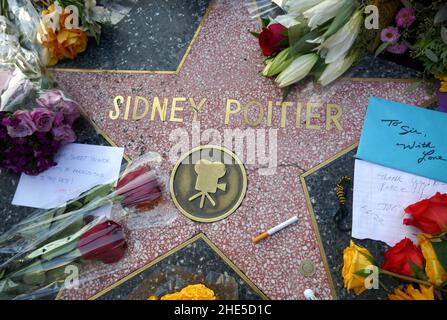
(272, 231)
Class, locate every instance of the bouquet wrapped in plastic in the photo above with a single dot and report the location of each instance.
(37, 251)
(319, 38)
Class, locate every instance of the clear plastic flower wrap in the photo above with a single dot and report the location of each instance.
(163, 284)
(36, 252)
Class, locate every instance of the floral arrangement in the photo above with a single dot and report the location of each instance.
(74, 233)
(425, 264)
(65, 25)
(421, 30)
(314, 37)
(29, 140)
(191, 292)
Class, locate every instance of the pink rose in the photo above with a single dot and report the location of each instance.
(56, 101)
(64, 134)
(43, 119)
(21, 125)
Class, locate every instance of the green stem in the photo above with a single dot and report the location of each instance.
(399, 276)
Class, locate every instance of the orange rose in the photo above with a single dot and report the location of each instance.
(64, 43)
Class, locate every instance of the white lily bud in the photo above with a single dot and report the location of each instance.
(297, 70)
(335, 69)
(299, 6)
(340, 42)
(322, 12)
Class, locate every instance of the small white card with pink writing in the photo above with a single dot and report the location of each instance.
(79, 168)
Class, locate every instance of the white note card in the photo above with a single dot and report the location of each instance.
(79, 168)
(381, 195)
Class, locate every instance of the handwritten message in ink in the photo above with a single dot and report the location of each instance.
(405, 138)
(428, 151)
(380, 196)
(80, 167)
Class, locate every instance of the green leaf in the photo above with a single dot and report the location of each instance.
(381, 48)
(444, 34)
(406, 3)
(441, 252)
(302, 46)
(363, 273)
(369, 257)
(441, 15)
(265, 22)
(431, 55)
(255, 34)
(100, 191)
(419, 272)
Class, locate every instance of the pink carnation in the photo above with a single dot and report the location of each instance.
(398, 48)
(405, 17)
(390, 35)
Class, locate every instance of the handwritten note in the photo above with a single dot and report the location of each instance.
(405, 138)
(80, 167)
(380, 196)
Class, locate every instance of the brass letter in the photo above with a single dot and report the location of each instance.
(135, 108)
(333, 117)
(196, 107)
(156, 106)
(260, 116)
(174, 109)
(310, 115)
(118, 99)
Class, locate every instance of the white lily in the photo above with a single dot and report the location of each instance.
(297, 70)
(287, 20)
(335, 69)
(339, 43)
(299, 6)
(322, 12)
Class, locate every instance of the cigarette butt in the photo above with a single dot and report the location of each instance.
(260, 237)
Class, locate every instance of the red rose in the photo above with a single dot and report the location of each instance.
(429, 215)
(270, 39)
(397, 259)
(104, 242)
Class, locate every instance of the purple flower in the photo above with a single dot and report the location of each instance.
(398, 48)
(43, 119)
(23, 125)
(405, 17)
(390, 35)
(64, 134)
(56, 101)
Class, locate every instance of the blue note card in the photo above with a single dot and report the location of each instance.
(405, 138)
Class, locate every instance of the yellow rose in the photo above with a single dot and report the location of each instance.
(433, 268)
(443, 87)
(410, 293)
(355, 258)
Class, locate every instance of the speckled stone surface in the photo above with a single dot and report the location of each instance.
(225, 63)
(197, 258)
(153, 36)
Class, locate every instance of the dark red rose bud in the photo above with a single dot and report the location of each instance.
(397, 259)
(271, 39)
(104, 242)
(429, 215)
(138, 187)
